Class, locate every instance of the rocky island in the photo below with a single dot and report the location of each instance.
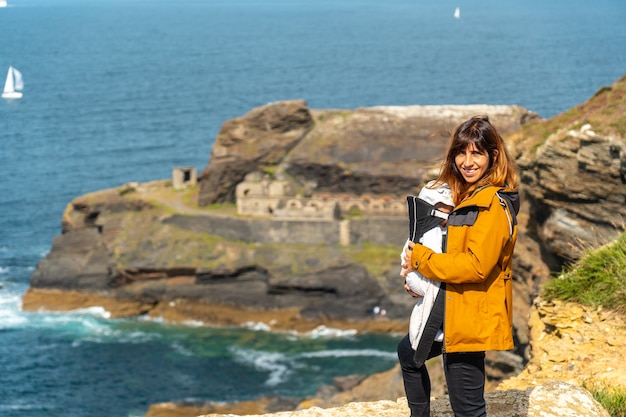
(298, 218)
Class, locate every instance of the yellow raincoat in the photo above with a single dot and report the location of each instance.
(476, 268)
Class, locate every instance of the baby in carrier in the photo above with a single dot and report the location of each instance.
(428, 213)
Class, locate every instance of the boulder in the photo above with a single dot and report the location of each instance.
(260, 138)
(81, 255)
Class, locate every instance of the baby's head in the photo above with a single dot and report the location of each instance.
(446, 208)
(439, 197)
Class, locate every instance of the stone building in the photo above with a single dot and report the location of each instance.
(183, 177)
(260, 196)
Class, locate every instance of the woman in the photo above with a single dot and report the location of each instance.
(475, 272)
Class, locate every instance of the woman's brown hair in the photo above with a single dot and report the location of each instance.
(502, 171)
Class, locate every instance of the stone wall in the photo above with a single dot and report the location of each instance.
(380, 230)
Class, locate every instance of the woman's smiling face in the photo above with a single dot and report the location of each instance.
(472, 163)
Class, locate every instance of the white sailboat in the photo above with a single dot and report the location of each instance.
(457, 13)
(3, 3)
(13, 85)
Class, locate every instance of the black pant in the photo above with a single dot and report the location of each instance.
(465, 377)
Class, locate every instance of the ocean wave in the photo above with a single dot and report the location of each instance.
(17, 406)
(92, 311)
(281, 366)
(256, 326)
(345, 353)
(16, 271)
(182, 350)
(105, 334)
(319, 332)
(10, 316)
(87, 325)
(275, 363)
(323, 331)
(193, 323)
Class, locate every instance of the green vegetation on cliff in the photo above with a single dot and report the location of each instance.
(604, 111)
(597, 279)
(613, 400)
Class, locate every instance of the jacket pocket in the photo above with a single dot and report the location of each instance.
(508, 295)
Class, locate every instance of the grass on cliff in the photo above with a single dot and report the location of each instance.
(597, 279)
(613, 401)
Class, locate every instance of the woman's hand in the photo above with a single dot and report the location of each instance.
(411, 293)
(406, 265)
(406, 268)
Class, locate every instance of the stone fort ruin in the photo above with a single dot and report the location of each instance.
(260, 196)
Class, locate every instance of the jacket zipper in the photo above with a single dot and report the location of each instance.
(508, 215)
(444, 249)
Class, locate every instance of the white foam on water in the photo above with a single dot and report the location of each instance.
(19, 405)
(275, 363)
(257, 326)
(15, 407)
(13, 271)
(92, 311)
(104, 333)
(161, 320)
(281, 366)
(10, 304)
(345, 353)
(91, 324)
(319, 332)
(192, 323)
(323, 331)
(182, 350)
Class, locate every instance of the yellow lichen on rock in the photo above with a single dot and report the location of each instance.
(573, 343)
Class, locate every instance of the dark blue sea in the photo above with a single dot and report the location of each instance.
(125, 90)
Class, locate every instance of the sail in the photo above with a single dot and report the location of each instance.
(13, 84)
(457, 13)
(18, 80)
(8, 85)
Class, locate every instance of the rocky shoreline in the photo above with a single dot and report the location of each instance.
(572, 347)
(220, 315)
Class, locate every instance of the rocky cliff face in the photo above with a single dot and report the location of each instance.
(573, 343)
(574, 172)
(376, 150)
(261, 138)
